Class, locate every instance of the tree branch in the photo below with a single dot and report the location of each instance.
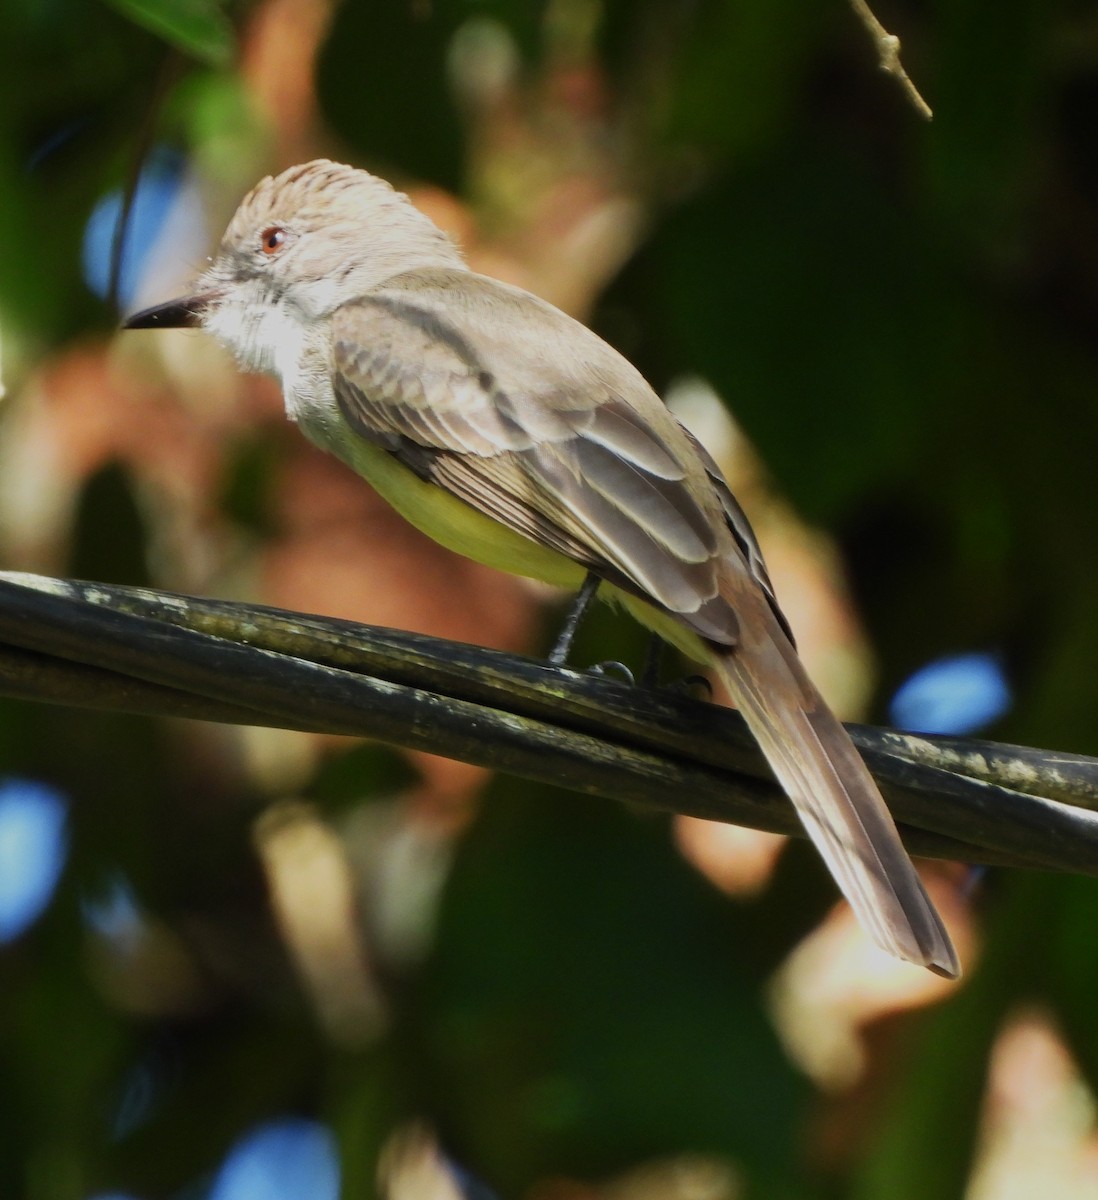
(888, 53)
(136, 650)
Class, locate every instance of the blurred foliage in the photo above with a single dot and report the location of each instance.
(556, 1040)
(903, 317)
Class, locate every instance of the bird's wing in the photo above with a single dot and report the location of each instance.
(740, 528)
(530, 418)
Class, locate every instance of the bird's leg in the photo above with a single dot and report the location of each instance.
(558, 656)
(650, 675)
(653, 660)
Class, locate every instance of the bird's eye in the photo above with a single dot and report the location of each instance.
(272, 240)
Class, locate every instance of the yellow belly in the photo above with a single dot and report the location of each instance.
(458, 525)
(464, 529)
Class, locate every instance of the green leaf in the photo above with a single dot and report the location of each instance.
(198, 27)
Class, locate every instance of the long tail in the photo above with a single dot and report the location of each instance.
(835, 797)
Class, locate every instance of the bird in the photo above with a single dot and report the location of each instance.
(510, 432)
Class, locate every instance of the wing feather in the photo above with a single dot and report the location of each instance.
(657, 504)
(740, 528)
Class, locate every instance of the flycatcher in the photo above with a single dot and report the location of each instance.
(514, 435)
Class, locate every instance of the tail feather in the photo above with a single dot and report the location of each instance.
(841, 808)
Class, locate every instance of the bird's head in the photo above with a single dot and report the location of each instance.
(300, 245)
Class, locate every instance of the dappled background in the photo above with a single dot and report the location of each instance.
(247, 963)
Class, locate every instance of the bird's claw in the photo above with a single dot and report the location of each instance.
(690, 684)
(612, 666)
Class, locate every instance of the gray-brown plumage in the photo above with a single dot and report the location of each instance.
(512, 433)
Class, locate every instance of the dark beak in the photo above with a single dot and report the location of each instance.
(183, 313)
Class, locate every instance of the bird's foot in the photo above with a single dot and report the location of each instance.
(613, 667)
(698, 686)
